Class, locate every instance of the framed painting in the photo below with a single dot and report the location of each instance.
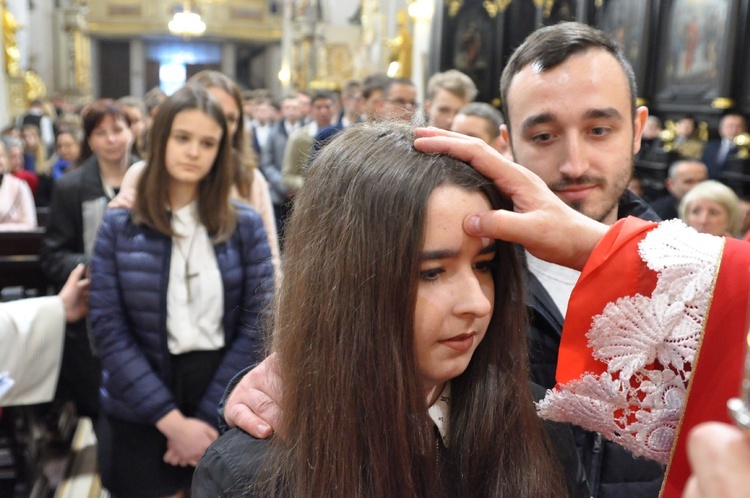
(696, 60)
(472, 43)
(629, 23)
(743, 86)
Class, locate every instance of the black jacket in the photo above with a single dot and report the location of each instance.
(229, 466)
(76, 209)
(610, 469)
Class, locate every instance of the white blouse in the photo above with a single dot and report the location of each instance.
(195, 296)
(17, 209)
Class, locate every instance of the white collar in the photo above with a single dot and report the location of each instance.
(440, 412)
(185, 219)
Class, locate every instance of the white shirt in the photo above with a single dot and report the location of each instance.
(195, 305)
(261, 133)
(558, 280)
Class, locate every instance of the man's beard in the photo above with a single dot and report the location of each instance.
(617, 188)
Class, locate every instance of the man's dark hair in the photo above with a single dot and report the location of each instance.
(551, 46)
(396, 81)
(322, 95)
(372, 83)
(491, 115)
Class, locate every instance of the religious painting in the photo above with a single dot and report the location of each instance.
(470, 44)
(628, 22)
(697, 51)
(744, 84)
(559, 11)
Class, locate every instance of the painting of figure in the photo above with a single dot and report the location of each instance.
(627, 22)
(697, 35)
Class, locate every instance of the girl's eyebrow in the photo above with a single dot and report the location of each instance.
(449, 253)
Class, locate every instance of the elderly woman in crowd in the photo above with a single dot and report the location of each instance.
(712, 207)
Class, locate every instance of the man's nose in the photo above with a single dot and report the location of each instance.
(575, 160)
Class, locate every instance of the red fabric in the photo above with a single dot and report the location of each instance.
(719, 368)
(601, 282)
(616, 270)
(30, 178)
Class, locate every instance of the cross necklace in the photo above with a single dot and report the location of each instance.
(186, 257)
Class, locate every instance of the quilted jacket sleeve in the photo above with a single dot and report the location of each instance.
(246, 347)
(132, 390)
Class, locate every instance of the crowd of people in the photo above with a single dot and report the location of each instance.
(414, 291)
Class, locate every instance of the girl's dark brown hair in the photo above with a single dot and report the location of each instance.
(92, 115)
(355, 417)
(214, 208)
(244, 157)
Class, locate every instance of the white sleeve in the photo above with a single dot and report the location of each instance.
(31, 342)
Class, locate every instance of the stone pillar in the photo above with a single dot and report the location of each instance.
(137, 67)
(74, 54)
(229, 59)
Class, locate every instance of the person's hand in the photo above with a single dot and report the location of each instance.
(124, 199)
(540, 221)
(253, 405)
(187, 438)
(74, 295)
(720, 459)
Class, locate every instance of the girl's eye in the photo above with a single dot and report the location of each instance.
(209, 144)
(485, 266)
(431, 275)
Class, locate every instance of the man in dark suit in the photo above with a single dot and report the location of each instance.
(272, 156)
(683, 175)
(717, 152)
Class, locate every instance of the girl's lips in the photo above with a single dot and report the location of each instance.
(460, 343)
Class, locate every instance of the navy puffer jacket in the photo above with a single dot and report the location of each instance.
(128, 313)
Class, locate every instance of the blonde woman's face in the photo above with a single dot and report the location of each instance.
(708, 216)
(67, 147)
(456, 291)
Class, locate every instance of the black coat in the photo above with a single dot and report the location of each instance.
(611, 470)
(229, 466)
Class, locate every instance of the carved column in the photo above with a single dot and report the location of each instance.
(73, 68)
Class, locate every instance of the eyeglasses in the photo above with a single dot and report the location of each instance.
(403, 103)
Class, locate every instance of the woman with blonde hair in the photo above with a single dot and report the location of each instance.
(712, 207)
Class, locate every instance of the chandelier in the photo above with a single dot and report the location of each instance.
(187, 23)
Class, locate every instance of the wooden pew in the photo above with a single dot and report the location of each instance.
(25, 242)
(19, 262)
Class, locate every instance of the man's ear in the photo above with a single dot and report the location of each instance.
(505, 136)
(501, 145)
(639, 122)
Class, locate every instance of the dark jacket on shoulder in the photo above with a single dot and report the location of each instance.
(230, 465)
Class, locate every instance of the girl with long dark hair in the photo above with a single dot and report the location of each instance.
(399, 342)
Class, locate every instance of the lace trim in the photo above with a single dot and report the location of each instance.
(648, 345)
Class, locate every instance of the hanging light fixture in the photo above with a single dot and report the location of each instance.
(187, 23)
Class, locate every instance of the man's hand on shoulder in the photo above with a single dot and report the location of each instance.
(253, 405)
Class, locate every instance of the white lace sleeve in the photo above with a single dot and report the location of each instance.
(648, 345)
